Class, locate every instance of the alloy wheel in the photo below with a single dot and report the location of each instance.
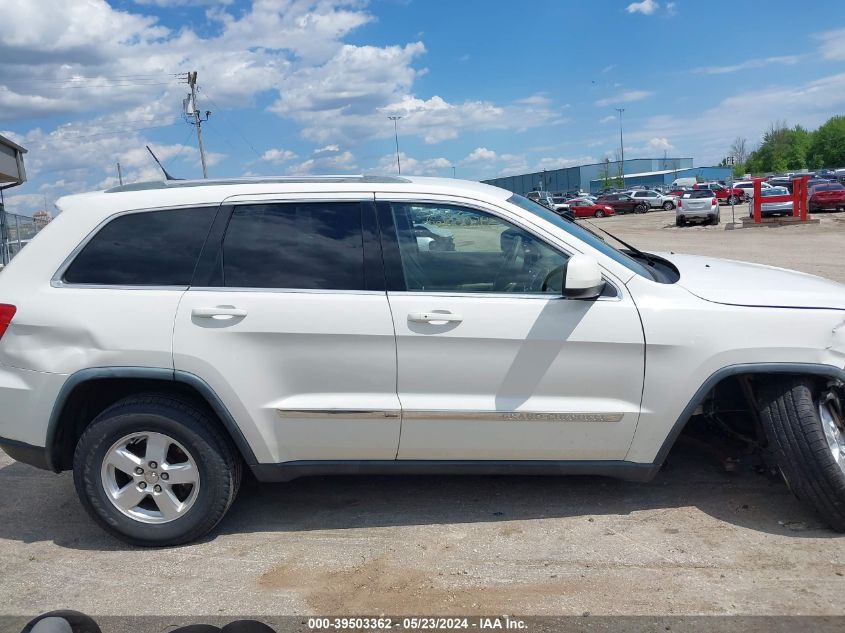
(150, 477)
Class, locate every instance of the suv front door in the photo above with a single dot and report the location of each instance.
(288, 322)
(493, 363)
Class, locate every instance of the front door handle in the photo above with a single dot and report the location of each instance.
(435, 318)
(218, 312)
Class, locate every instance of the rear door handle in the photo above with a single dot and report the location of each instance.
(218, 312)
(435, 317)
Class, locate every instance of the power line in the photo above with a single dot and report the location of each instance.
(181, 147)
(76, 80)
(64, 138)
(232, 123)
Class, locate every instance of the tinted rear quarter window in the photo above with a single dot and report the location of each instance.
(313, 245)
(149, 248)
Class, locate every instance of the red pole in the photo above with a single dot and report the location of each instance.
(804, 198)
(758, 201)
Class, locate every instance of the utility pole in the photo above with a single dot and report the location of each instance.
(453, 172)
(197, 117)
(396, 136)
(621, 145)
(119, 173)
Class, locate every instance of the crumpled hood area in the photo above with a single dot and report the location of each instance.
(742, 283)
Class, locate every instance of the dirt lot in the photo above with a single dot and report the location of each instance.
(694, 541)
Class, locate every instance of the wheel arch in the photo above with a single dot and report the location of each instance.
(88, 392)
(732, 371)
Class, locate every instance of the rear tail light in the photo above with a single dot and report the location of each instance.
(6, 313)
(713, 201)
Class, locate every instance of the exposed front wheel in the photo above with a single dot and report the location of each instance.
(805, 430)
(668, 205)
(733, 200)
(599, 213)
(155, 470)
(641, 208)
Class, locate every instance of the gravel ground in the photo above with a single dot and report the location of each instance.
(694, 541)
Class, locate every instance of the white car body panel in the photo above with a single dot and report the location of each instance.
(305, 351)
(680, 331)
(482, 389)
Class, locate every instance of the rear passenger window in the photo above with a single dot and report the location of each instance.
(314, 245)
(150, 248)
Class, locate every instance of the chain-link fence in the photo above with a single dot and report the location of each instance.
(15, 233)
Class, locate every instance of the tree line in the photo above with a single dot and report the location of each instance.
(791, 148)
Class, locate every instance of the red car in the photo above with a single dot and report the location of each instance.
(622, 203)
(584, 208)
(722, 193)
(827, 196)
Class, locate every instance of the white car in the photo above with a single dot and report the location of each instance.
(655, 199)
(156, 339)
(747, 187)
(698, 204)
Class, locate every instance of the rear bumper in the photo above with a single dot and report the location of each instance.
(26, 402)
(25, 453)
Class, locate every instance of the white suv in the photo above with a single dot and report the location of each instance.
(655, 199)
(158, 338)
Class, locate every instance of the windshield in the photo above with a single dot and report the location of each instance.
(776, 191)
(581, 233)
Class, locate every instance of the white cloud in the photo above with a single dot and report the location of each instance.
(561, 162)
(329, 159)
(278, 155)
(608, 119)
(608, 68)
(625, 97)
(414, 167)
(750, 63)
(832, 44)
(746, 114)
(480, 154)
(671, 8)
(646, 7)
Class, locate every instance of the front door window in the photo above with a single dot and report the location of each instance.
(455, 249)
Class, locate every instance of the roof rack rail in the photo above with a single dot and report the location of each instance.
(178, 184)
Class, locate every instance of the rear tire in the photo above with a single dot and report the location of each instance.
(680, 221)
(160, 511)
(733, 200)
(641, 208)
(801, 430)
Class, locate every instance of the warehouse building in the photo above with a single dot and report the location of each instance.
(638, 171)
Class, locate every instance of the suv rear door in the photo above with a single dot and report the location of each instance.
(490, 367)
(288, 322)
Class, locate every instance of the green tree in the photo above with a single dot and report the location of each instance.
(827, 148)
(782, 149)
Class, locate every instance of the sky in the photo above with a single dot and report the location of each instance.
(487, 87)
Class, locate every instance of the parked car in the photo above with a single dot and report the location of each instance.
(772, 208)
(561, 206)
(543, 197)
(699, 204)
(585, 208)
(684, 182)
(294, 327)
(826, 196)
(723, 194)
(623, 203)
(747, 187)
(678, 192)
(434, 238)
(655, 199)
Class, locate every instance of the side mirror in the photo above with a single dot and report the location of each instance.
(582, 278)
